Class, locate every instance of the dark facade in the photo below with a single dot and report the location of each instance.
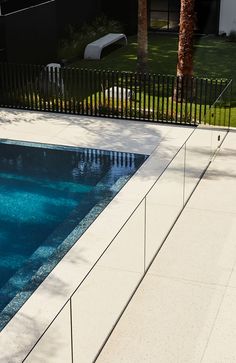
(29, 29)
(26, 40)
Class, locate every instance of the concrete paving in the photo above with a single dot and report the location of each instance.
(185, 308)
(27, 326)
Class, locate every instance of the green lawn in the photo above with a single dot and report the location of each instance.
(213, 58)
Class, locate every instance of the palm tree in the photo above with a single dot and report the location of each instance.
(142, 53)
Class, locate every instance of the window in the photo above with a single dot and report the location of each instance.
(164, 14)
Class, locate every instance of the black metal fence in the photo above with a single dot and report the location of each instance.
(114, 94)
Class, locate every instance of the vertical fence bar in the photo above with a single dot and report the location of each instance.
(205, 98)
(47, 88)
(144, 81)
(27, 85)
(176, 99)
(141, 94)
(104, 93)
(200, 101)
(62, 88)
(221, 90)
(191, 100)
(158, 97)
(91, 92)
(70, 90)
(57, 86)
(167, 97)
(213, 118)
(17, 86)
(153, 96)
(96, 88)
(182, 86)
(33, 86)
(172, 98)
(53, 87)
(9, 85)
(113, 89)
(126, 96)
(149, 99)
(109, 91)
(73, 89)
(81, 89)
(44, 87)
(41, 90)
(230, 100)
(196, 99)
(186, 100)
(86, 91)
(133, 96)
(163, 98)
(1, 85)
(20, 85)
(10, 91)
(210, 100)
(122, 93)
(4, 85)
(129, 95)
(99, 93)
(29, 78)
(119, 91)
(10, 88)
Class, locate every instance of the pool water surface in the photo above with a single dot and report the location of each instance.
(49, 195)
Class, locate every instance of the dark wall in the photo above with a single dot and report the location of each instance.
(2, 40)
(9, 6)
(208, 12)
(75, 12)
(30, 35)
(126, 11)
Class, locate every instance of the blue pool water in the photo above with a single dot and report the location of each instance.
(48, 197)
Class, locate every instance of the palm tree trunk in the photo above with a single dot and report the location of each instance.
(142, 54)
(185, 51)
(186, 30)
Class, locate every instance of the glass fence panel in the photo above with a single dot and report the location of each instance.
(198, 156)
(219, 117)
(163, 204)
(103, 295)
(55, 344)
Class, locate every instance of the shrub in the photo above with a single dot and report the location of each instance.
(232, 36)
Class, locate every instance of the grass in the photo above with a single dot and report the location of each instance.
(213, 58)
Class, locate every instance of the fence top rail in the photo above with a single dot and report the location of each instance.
(148, 74)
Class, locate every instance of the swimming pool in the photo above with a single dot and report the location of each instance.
(49, 195)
